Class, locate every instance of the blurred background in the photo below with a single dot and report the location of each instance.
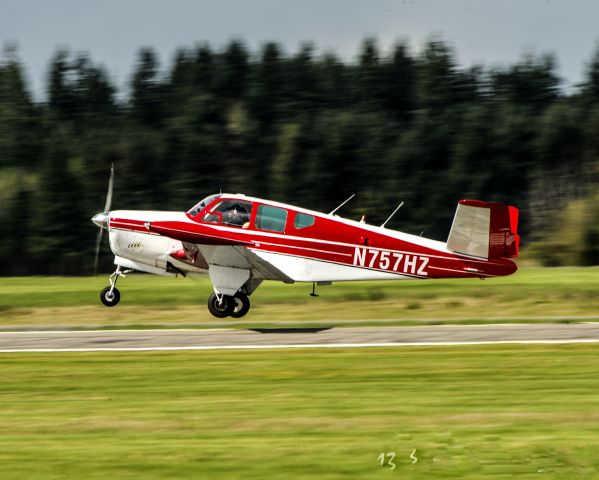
(425, 102)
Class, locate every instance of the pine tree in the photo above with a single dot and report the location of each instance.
(147, 91)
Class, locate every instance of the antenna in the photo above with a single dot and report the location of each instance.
(333, 211)
(390, 216)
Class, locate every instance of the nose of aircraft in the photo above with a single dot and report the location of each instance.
(101, 219)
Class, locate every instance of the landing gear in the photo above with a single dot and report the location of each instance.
(242, 305)
(110, 296)
(222, 306)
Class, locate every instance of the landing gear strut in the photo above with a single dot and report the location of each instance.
(222, 306)
(110, 296)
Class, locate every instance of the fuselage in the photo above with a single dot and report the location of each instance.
(306, 246)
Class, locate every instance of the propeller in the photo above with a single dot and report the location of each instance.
(102, 219)
(109, 193)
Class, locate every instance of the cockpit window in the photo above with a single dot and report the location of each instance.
(207, 201)
(303, 221)
(235, 213)
(271, 218)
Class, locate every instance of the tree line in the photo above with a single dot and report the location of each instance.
(306, 128)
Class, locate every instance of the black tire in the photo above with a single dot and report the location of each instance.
(221, 309)
(242, 305)
(108, 299)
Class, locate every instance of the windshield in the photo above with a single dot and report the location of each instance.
(200, 206)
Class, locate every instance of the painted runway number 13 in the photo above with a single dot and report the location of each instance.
(386, 460)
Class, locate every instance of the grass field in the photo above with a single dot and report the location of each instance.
(532, 294)
(468, 412)
(530, 411)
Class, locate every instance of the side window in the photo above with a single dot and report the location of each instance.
(303, 221)
(234, 213)
(271, 218)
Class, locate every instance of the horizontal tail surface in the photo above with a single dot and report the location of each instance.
(484, 230)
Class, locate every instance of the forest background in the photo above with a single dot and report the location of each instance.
(305, 128)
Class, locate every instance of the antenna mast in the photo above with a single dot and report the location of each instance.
(390, 216)
(333, 211)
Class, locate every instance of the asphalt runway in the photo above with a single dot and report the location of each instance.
(354, 337)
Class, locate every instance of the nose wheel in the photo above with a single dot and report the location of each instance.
(110, 296)
(222, 306)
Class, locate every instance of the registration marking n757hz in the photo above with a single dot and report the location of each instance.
(391, 261)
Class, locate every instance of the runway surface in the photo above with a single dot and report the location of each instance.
(198, 339)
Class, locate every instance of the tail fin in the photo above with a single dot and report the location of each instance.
(485, 230)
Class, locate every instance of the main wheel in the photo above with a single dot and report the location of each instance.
(221, 309)
(110, 299)
(242, 305)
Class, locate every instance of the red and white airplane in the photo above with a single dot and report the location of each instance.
(243, 240)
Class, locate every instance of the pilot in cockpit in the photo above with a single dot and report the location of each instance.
(237, 215)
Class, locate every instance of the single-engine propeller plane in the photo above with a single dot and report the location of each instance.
(241, 241)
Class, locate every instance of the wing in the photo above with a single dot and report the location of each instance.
(240, 257)
(230, 263)
(230, 267)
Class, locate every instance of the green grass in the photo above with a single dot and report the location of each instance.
(532, 294)
(469, 412)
